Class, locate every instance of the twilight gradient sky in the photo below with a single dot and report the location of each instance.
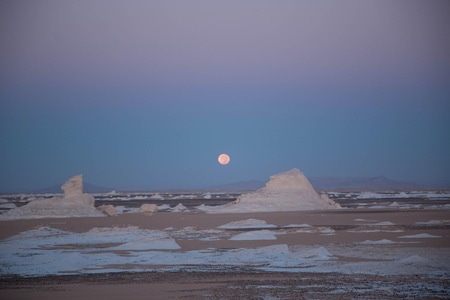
(147, 94)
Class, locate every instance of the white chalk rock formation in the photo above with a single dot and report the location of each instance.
(288, 191)
(180, 208)
(73, 186)
(108, 210)
(75, 203)
(148, 209)
(164, 207)
(73, 191)
(8, 206)
(157, 196)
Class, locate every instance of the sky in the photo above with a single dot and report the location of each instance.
(146, 94)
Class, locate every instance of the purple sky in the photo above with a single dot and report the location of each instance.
(146, 94)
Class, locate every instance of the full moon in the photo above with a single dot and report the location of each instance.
(223, 159)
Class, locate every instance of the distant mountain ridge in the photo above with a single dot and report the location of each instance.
(249, 185)
(332, 183)
(380, 183)
(87, 188)
(363, 183)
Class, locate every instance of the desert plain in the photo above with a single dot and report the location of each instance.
(323, 254)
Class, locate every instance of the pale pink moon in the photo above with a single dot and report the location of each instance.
(223, 159)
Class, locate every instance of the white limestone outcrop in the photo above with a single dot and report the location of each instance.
(74, 203)
(148, 209)
(108, 210)
(287, 191)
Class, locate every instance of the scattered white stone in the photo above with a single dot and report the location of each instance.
(156, 196)
(327, 231)
(180, 208)
(184, 197)
(164, 207)
(148, 209)
(108, 210)
(123, 209)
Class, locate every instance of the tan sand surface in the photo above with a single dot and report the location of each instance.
(202, 220)
(244, 284)
(339, 220)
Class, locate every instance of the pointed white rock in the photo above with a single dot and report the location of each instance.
(288, 191)
(75, 203)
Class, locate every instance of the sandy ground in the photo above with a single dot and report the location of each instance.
(238, 283)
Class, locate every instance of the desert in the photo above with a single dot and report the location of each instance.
(224, 149)
(379, 250)
(365, 254)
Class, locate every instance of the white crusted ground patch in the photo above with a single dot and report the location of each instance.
(194, 233)
(51, 211)
(433, 222)
(297, 226)
(403, 195)
(375, 228)
(254, 235)
(8, 206)
(378, 242)
(385, 223)
(413, 260)
(364, 220)
(313, 253)
(387, 259)
(247, 224)
(316, 229)
(156, 241)
(419, 236)
(47, 250)
(47, 237)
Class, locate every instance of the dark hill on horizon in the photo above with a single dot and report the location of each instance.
(319, 183)
(87, 188)
(369, 183)
(332, 183)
